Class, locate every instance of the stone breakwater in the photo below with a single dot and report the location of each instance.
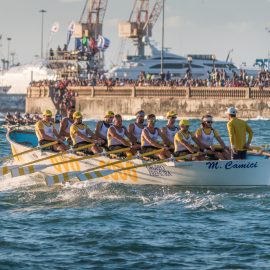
(93, 102)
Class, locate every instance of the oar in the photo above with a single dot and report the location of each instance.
(28, 151)
(97, 174)
(33, 169)
(60, 178)
(6, 169)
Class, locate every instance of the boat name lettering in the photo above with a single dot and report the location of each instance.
(158, 171)
(231, 165)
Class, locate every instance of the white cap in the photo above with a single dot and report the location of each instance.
(231, 110)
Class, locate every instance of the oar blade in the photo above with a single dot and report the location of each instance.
(20, 171)
(4, 170)
(60, 178)
(94, 175)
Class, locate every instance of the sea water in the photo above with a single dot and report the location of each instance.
(115, 226)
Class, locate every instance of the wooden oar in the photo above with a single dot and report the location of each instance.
(28, 151)
(97, 174)
(33, 169)
(7, 169)
(60, 178)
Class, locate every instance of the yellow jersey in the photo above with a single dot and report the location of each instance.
(74, 129)
(181, 137)
(46, 127)
(237, 130)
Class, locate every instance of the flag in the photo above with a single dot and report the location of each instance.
(71, 29)
(55, 27)
(103, 43)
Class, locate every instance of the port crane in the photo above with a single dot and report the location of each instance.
(140, 24)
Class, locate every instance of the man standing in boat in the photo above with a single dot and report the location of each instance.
(103, 126)
(81, 135)
(237, 130)
(136, 128)
(66, 124)
(46, 132)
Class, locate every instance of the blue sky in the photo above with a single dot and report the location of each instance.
(192, 26)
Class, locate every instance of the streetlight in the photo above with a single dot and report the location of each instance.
(8, 47)
(42, 11)
(162, 44)
(189, 65)
(214, 59)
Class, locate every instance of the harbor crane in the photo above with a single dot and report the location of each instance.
(140, 24)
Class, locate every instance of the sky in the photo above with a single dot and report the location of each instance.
(191, 26)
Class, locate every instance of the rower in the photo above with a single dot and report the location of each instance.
(149, 139)
(237, 130)
(18, 118)
(57, 118)
(66, 124)
(206, 134)
(28, 120)
(184, 141)
(170, 129)
(119, 137)
(47, 133)
(9, 119)
(81, 135)
(36, 117)
(137, 127)
(103, 126)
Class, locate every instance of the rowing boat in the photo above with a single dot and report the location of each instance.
(255, 171)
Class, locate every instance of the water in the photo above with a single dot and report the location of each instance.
(113, 226)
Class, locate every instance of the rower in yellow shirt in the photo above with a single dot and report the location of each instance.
(237, 130)
(47, 133)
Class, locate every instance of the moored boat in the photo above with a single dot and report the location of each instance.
(255, 171)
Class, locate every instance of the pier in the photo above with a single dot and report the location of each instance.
(93, 102)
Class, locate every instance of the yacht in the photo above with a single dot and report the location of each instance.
(4, 89)
(200, 65)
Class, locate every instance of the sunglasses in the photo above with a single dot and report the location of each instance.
(209, 122)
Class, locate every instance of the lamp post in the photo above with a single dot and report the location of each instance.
(162, 44)
(42, 11)
(214, 59)
(8, 47)
(189, 65)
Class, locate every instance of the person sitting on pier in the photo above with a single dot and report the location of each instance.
(184, 142)
(137, 127)
(149, 139)
(117, 135)
(237, 130)
(81, 135)
(9, 119)
(46, 132)
(66, 124)
(103, 126)
(206, 134)
(170, 129)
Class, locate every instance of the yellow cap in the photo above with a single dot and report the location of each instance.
(109, 113)
(184, 122)
(171, 114)
(47, 113)
(77, 115)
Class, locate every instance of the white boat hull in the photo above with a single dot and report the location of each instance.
(251, 172)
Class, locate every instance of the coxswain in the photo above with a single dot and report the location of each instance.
(47, 133)
(103, 126)
(9, 119)
(170, 129)
(150, 136)
(66, 124)
(237, 130)
(137, 127)
(81, 135)
(119, 137)
(185, 142)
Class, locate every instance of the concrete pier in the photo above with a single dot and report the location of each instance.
(93, 102)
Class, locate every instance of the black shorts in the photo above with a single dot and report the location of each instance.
(239, 155)
(147, 149)
(49, 148)
(85, 151)
(117, 147)
(181, 153)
